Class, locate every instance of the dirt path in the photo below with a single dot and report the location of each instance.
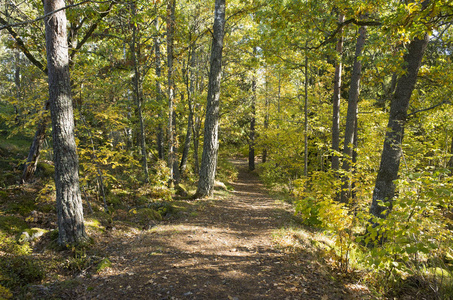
(224, 251)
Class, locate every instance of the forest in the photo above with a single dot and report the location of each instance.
(132, 123)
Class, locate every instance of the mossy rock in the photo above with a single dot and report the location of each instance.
(31, 235)
(164, 208)
(12, 224)
(45, 169)
(146, 215)
(102, 218)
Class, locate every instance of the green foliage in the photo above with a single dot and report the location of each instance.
(226, 171)
(5, 293)
(20, 270)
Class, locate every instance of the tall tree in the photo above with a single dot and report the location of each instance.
(172, 162)
(384, 189)
(252, 121)
(351, 117)
(337, 100)
(71, 227)
(138, 90)
(211, 128)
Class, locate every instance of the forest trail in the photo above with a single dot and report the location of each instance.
(224, 251)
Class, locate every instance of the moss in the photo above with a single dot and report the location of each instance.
(113, 200)
(12, 225)
(164, 208)
(103, 264)
(145, 215)
(44, 169)
(101, 217)
(23, 205)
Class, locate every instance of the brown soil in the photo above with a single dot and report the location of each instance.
(225, 250)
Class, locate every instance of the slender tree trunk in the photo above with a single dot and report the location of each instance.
(171, 88)
(266, 119)
(190, 86)
(138, 95)
(351, 117)
(306, 116)
(384, 190)
(211, 128)
(337, 101)
(160, 129)
(35, 149)
(450, 162)
(71, 227)
(252, 125)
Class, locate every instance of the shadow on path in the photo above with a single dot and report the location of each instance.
(225, 251)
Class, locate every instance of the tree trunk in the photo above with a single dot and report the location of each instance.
(384, 189)
(252, 124)
(171, 88)
(35, 149)
(266, 119)
(190, 86)
(306, 116)
(337, 101)
(71, 227)
(351, 117)
(160, 129)
(211, 128)
(450, 162)
(40, 135)
(138, 95)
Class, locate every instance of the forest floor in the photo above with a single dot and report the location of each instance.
(227, 249)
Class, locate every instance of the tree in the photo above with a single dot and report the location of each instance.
(384, 189)
(71, 227)
(211, 128)
(351, 117)
(337, 100)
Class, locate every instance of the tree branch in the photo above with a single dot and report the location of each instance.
(7, 25)
(21, 45)
(429, 108)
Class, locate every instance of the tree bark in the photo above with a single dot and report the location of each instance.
(351, 117)
(71, 227)
(138, 94)
(171, 89)
(266, 119)
(337, 101)
(252, 124)
(211, 129)
(40, 135)
(384, 189)
(190, 87)
(160, 129)
(306, 115)
(35, 148)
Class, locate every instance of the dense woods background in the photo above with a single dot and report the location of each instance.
(344, 106)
